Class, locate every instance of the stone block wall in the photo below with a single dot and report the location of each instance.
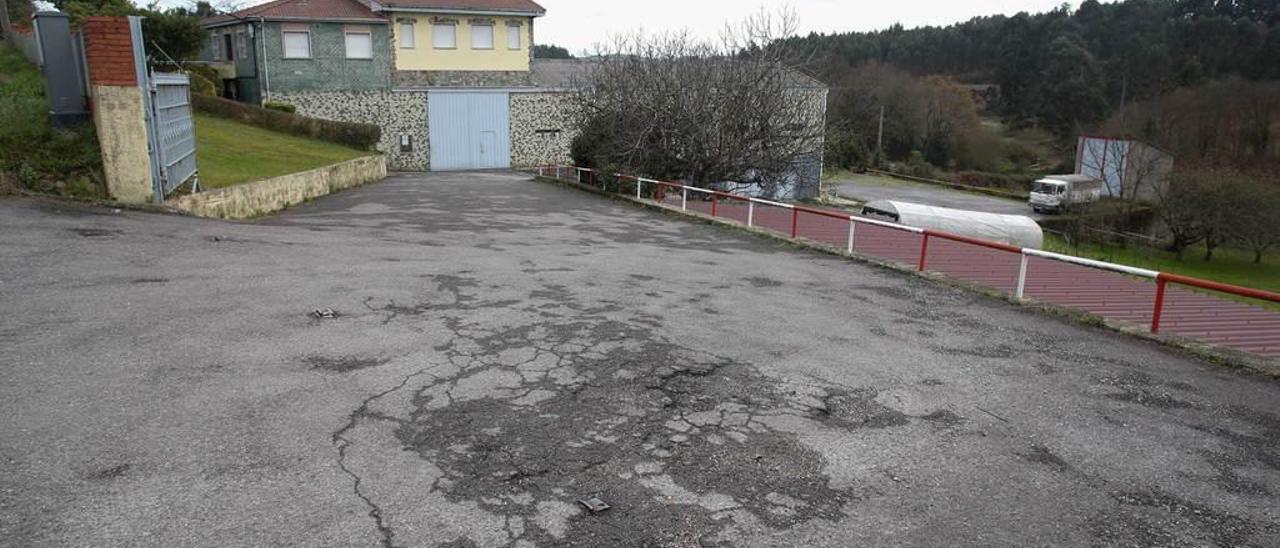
(461, 78)
(542, 128)
(398, 113)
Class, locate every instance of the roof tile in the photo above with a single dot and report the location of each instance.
(300, 9)
(515, 6)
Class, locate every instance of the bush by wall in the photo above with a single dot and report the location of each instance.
(282, 107)
(209, 74)
(359, 136)
(1007, 181)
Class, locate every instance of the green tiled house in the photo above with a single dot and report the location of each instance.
(290, 46)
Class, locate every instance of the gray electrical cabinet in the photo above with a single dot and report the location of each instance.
(62, 62)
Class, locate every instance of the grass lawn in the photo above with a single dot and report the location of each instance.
(229, 153)
(1228, 265)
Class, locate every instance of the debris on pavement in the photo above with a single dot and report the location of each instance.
(594, 505)
(324, 313)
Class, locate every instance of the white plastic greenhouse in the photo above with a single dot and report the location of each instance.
(1011, 229)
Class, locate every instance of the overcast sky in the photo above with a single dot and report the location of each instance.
(578, 24)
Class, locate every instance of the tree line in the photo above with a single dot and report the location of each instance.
(1066, 69)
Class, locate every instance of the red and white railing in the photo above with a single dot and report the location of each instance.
(1161, 279)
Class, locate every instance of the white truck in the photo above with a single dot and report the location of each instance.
(1059, 193)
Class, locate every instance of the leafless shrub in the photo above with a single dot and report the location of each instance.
(675, 107)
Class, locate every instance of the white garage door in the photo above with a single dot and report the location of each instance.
(469, 130)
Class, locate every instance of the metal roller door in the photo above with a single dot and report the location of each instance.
(469, 130)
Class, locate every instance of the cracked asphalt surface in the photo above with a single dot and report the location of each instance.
(504, 348)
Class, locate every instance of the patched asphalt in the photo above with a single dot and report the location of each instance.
(502, 349)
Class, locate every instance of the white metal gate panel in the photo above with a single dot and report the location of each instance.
(171, 131)
(175, 129)
(469, 130)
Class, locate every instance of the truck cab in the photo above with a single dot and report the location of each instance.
(1058, 193)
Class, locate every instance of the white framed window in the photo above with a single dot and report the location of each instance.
(444, 36)
(297, 44)
(359, 44)
(513, 37)
(481, 36)
(214, 45)
(241, 53)
(407, 39)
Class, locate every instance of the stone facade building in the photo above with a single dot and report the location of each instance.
(452, 83)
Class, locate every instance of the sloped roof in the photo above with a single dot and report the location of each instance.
(330, 10)
(504, 6)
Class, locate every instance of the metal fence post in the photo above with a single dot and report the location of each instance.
(639, 183)
(849, 244)
(1159, 307)
(795, 222)
(1022, 277)
(714, 201)
(684, 198)
(751, 212)
(924, 248)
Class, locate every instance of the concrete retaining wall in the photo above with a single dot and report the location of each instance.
(258, 198)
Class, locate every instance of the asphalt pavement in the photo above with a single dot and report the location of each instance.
(865, 188)
(502, 349)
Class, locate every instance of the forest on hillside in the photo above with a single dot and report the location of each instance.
(1066, 68)
(998, 101)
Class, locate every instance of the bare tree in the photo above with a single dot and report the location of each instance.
(675, 107)
(1178, 208)
(1254, 221)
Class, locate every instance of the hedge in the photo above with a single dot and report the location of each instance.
(282, 107)
(359, 136)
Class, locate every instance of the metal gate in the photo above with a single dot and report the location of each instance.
(171, 132)
(469, 130)
(175, 150)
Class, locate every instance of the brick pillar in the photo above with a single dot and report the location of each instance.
(119, 112)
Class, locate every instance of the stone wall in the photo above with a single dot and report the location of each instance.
(258, 198)
(461, 78)
(398, 113)
(542, 128)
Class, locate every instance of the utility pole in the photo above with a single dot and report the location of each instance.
(880, 138)
(1124, 90)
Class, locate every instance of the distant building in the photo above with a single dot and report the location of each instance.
(1128, 169)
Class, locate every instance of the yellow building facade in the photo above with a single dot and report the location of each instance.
(454, 42)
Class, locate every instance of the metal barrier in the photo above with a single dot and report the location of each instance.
(1218, 321)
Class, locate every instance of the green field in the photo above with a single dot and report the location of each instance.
(230, 153)
(1231, 266)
